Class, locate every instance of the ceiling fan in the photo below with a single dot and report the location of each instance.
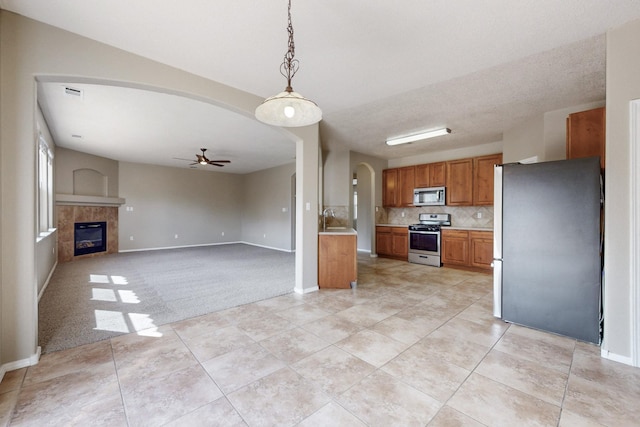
(201, 159)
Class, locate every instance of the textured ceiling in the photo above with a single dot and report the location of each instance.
(377, 69)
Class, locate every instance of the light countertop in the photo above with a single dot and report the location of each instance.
(338, 231)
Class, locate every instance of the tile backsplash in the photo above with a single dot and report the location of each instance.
(461, 216)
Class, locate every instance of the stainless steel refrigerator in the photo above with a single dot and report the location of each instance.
(547, 248)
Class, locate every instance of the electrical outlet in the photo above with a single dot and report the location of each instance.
(264, 236)
(130, 237)
(223, 233)
(175, 237)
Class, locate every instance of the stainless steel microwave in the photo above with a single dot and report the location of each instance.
(432, 196)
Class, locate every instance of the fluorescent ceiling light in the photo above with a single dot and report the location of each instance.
(418, 136)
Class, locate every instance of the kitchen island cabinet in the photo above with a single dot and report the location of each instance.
(337, 258)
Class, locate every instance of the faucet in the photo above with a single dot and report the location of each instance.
(325, 213)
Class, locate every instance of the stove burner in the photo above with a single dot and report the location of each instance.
(424, 227)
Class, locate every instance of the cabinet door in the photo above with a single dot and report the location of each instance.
(383, 240)
(586, 134)
(483, 174)
(406, 184)
(423, 174)
(481, 245)
(400, 242)
(337, 264)
(460, 182)
(455, 247)
(431, 175)
(437, 174)
(389, 187)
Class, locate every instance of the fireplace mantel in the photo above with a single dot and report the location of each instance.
(77, 200)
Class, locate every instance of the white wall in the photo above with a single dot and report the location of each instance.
(266, 207)
(440, 156)
(196, 205)
(623, 85)
(336, 178)
(524, 141)
(69, 160)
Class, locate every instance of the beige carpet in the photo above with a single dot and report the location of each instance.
(97, 298)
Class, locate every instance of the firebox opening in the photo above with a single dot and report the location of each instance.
(90, 237)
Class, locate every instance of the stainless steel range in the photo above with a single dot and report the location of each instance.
(424, 238)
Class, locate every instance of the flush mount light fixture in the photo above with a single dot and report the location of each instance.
(418, 136)
(289, 108)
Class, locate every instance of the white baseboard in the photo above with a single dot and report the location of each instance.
(306, 290)
(176, 247)
(267, 247)
(606, 354)
(22, 363)
(46, 282)
(202, 245)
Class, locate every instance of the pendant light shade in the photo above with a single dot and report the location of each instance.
(289, 108)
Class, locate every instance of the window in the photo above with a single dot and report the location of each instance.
(45, 187)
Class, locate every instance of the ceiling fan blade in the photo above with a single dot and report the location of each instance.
(186, 160)
(216, 164)
(220, 161)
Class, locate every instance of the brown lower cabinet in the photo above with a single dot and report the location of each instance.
(337, 260)
(468, 249)
(392, 242)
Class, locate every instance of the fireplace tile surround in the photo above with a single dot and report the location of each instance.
(68, 215)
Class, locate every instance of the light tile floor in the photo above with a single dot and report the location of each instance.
(411, 345)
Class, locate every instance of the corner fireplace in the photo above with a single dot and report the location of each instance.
(89, 238)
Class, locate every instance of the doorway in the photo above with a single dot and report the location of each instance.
(363, 199)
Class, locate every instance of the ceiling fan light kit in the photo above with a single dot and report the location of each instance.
(289, 108)
(201, 159)
(418, 136)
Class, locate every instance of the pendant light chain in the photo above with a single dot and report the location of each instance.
(289, 108)
(290, 65)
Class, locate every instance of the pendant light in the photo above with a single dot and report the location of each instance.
(289, 108)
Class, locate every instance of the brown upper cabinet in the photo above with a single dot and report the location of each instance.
(469, 182)
(397, 186)
(483, 176)
(389, 187)
(406, 184)
(430, 175)
(460, 182)
(586, 134)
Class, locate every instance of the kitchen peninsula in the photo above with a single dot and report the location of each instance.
(337, 258)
